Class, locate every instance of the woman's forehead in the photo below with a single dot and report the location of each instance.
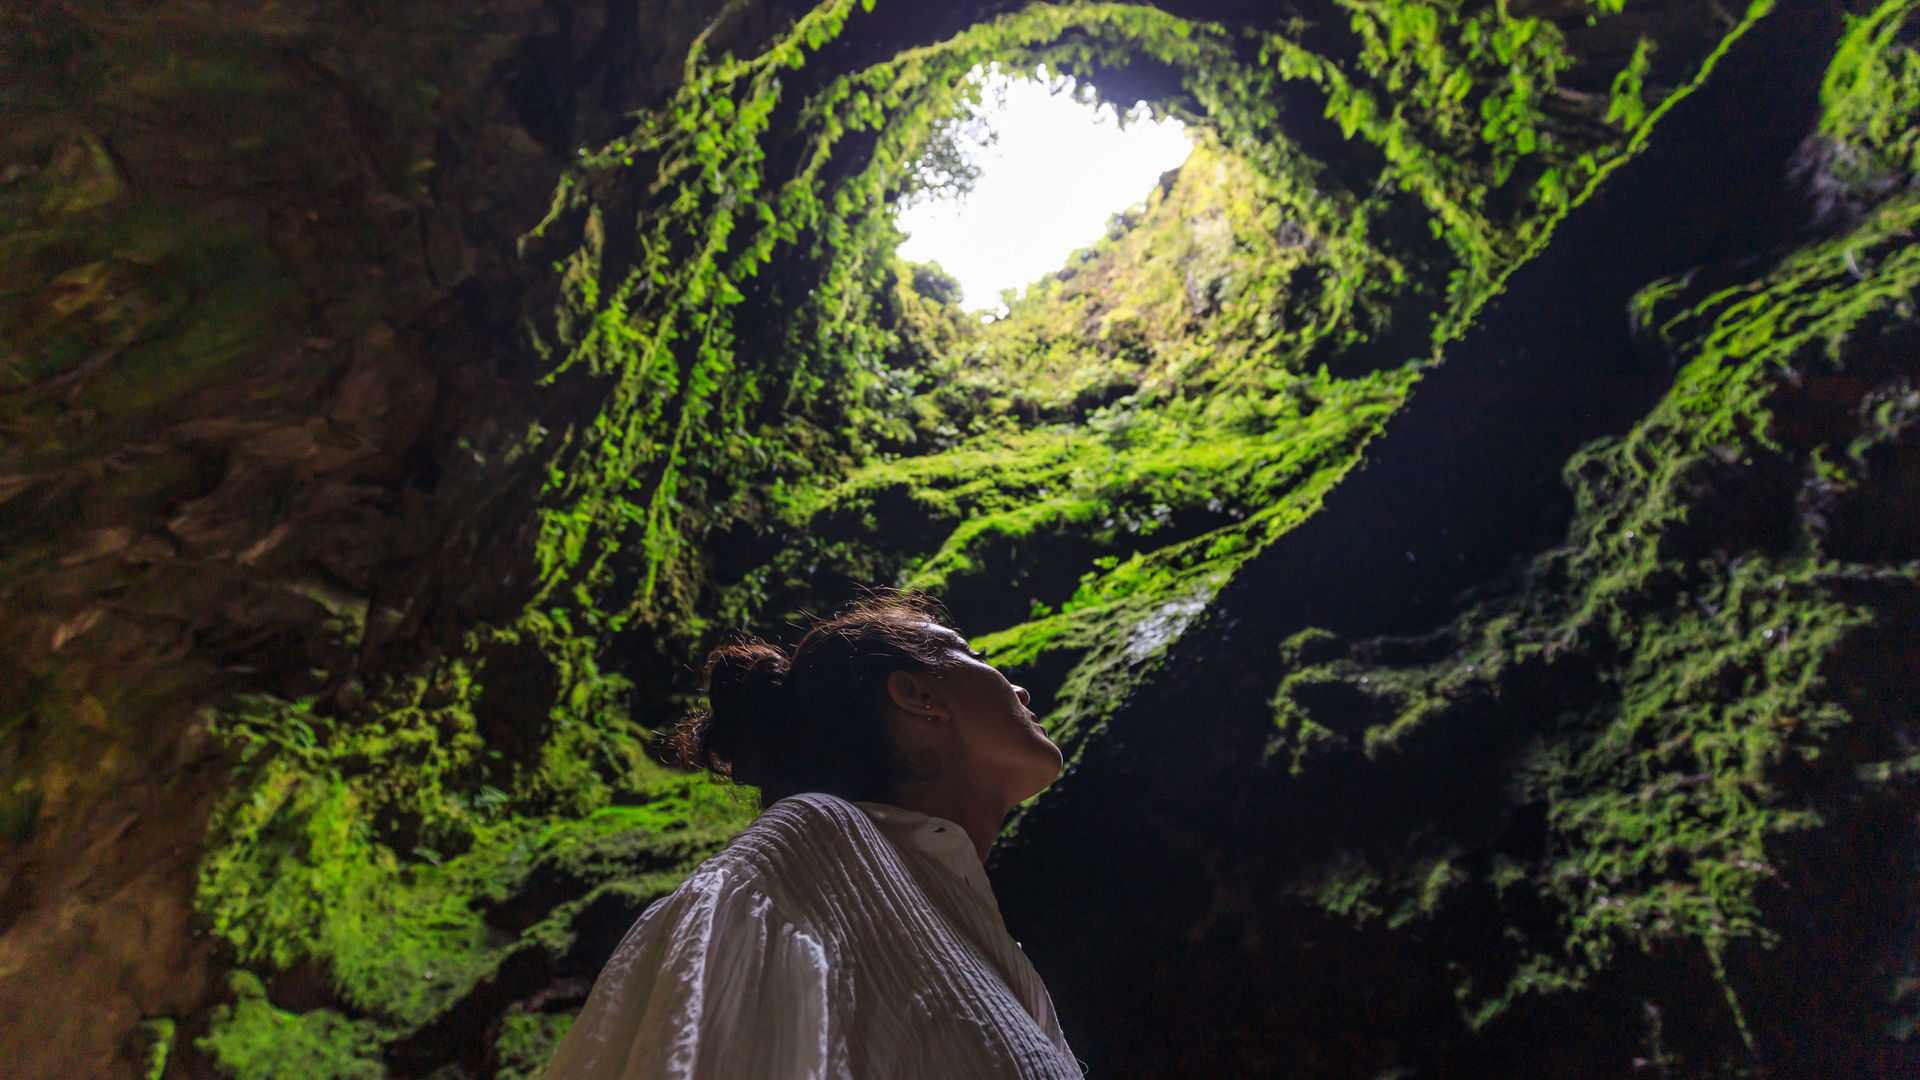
(949, 635)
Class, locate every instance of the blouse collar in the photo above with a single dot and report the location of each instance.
(944, 840)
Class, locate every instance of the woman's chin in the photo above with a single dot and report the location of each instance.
(1046, 763)
(1059, 757)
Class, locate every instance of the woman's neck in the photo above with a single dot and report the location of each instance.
(979, 813)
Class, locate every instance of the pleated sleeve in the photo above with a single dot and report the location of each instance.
(713, 981)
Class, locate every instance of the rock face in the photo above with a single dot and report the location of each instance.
(259, 359)
(1461, 524)
(1551, 786)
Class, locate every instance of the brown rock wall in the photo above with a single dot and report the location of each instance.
(258, 287)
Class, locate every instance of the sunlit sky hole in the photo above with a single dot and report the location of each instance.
(1047, 185)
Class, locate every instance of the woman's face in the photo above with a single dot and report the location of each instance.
(994, 735)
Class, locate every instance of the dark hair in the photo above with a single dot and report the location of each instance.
(814, 719)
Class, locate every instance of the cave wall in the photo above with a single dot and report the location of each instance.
(1550, 785)
(260, 306)
(399, 401)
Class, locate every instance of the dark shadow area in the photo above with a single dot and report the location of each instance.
(1226, 973)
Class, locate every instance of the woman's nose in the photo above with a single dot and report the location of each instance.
(1021, 693)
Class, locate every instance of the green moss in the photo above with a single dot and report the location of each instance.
(253, 1040)
(1286, 263)
(919, 447)
(525, 1042)
(371, 843)
(1221, 478)
(1218, 280)
(1345, 888)
(158, 1035)
(300, 875)
(764, 366)
(1704, 673)
(1871, 89)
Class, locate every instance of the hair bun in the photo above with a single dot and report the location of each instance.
(741, 734)
(816, 717)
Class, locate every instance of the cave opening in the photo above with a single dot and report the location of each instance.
(1125, 420)
(1036, 172)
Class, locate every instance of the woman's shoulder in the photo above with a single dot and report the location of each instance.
(816, 806)
(794, 841)
(815, 819)
(806, 835)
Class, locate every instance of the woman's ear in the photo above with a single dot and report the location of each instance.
(914, 692)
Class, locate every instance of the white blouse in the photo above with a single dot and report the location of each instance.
(828, 939)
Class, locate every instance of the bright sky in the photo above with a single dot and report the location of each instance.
(1046, 189)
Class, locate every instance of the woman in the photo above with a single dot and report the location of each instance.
(850, 930)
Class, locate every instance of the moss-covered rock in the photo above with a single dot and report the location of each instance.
(1591, 815)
